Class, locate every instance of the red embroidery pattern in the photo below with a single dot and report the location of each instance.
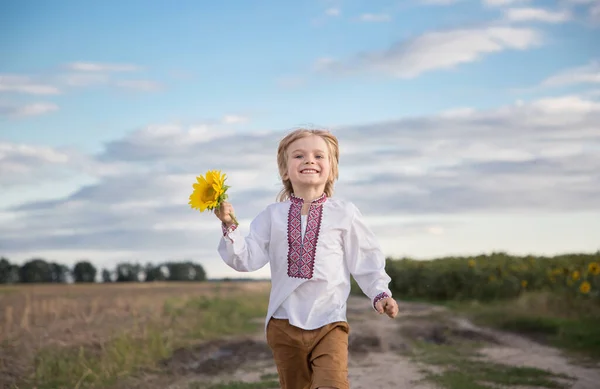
(301, 252)
(228, 230)
(380, 296)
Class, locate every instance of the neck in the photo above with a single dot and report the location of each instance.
(309, 194)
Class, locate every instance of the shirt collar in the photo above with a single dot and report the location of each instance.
(318, 201)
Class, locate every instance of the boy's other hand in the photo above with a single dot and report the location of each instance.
(387, 305)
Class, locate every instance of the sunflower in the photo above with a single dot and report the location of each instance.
(557, 272)
(209, 192)
(576, 275)
(524, 284)
(585, 287)
(471, 263)
(594, 268)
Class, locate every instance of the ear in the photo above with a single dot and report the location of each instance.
(284, 176)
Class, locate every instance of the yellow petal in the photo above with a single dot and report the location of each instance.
(208, 190)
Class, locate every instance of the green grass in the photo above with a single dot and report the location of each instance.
(268, 381)
(548, 319)
(7, 290)
(581, 335)
(183, 323)
(569, 324)
(572, 325)
(441, 355)
(87, 367)
(481, 375)
(273, 376)
(462, 370)
(226, 317)
(270, 384)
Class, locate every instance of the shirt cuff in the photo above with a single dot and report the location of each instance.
(228, 230)
(379, 297)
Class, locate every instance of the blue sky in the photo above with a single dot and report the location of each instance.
(95, 95)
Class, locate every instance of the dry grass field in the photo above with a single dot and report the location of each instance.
(203, 335)
(54, 336)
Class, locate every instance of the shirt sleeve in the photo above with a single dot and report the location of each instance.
(365, 259)
(250, 253)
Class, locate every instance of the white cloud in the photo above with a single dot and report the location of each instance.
(536, 156)
(536, 15)
(139, 85)
(333, 11)
(458, 112)
(594, 12)
(39, 154)
(436, 230)
(425, 148)
(375, 18)
(85, 79)
(566, 105)
(324, 63)
(586, 74)
(439, 2)
(501, 3)
(25, 166)
(592, 93)
(79, 75)
(88, 74)
(235, 119)
(22, 163)
(25, 85)
(170, 142)
(101, 67)
(436, 50)
(583, 2)
(34, 109)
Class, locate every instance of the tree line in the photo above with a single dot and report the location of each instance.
(38, 270)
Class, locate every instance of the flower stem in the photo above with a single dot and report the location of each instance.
(234, 219)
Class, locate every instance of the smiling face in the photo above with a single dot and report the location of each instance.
(308, 163)
(304, 142)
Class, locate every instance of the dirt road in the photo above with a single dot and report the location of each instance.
(424, 341)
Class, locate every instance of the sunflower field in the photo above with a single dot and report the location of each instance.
(495, 276)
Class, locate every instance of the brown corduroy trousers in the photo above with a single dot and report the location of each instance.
(310, 359)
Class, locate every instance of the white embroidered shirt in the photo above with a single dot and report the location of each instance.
(310, 264)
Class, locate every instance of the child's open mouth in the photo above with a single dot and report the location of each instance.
(309, 171)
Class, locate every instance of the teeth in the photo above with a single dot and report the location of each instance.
(309, 171)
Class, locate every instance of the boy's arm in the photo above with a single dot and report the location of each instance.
(365, 259)
(250, 253)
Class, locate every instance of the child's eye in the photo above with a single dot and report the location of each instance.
(298, 156)
(319, 156)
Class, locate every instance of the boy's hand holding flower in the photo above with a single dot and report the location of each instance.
(224, 213)
(387, 305)
(210, 193)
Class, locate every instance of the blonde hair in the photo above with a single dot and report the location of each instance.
(282, 157)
